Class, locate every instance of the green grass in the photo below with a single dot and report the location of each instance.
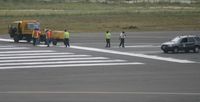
(96, 17)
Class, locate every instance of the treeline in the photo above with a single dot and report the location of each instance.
(100, 1)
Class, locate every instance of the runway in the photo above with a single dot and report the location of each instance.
(89, 72)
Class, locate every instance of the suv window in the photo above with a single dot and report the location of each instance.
(190, 39)
(197, 39)
(184, 40)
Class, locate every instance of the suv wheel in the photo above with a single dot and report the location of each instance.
(165, 51)
(196, 49)
(175, 50)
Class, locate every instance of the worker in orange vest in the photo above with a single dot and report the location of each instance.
(36, 36)
(48, 37)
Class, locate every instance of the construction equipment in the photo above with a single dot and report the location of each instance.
(22, 30)
(57, 36)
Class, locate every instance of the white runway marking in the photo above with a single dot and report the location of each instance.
(14, 48)
(61, 62)
(71, 65)
(134, 54)
(6, 40)
(100, 92)
(6, 52)
(3, 46)
(139, 46)
(34, 54)
(146, 52)
(55, 56)
(52, 59)
(11, 40)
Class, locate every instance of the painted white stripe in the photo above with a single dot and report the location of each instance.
(57, 56)
(4, 52)
(146, 52)
(34, 54)
(2, 46)
(62, 62)
(14, 48)
(51, 59)
(45, 45)
(139, 46)
(71, 65)
(6, 40)
(11, 40)
(134, 54)
(100, 92)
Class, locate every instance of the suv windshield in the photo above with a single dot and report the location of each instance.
(176, 39)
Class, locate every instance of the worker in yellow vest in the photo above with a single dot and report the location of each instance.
(108, 37)
(66, 38)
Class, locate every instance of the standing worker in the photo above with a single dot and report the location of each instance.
(36, 36)
(66, 38)
(48, 37)
(122, 37)
(108, 36)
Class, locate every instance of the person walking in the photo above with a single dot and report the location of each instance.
(108, 37)
(66, 38)
(122, 37)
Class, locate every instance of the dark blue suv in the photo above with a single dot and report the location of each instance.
(182, 43)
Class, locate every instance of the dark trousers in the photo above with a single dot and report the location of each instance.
(36, 41)
(107, 42)
(121, 42)
(48, 42)
(66, 42)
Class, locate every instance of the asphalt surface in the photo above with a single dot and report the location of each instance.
(89, 72)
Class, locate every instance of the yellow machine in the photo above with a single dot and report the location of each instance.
(22, 30)
(57, 36)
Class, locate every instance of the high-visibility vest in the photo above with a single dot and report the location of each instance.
(108, 35)
(37, 34)
(48, 34)
(66, 35)
(33, 34)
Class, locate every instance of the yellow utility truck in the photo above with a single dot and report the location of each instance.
(22, 30)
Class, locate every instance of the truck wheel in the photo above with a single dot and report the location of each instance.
(196, 49)
(54, 42)
(28, 40)
(16, 38)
